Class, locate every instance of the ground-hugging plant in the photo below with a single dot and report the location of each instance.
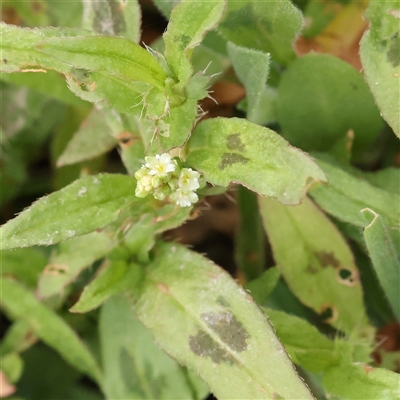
(155, 319)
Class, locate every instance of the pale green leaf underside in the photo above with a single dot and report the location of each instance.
(236, 150)
(81, 207)
(200, 316)
(22, 304)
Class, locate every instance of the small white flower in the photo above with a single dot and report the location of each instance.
(189, 179)
(184, 198)
(160, 165)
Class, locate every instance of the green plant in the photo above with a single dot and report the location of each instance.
(332, 226)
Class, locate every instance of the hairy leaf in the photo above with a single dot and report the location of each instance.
(236, 150)
(199, 315)
(380, 57)
(316, 262)
(81, 207)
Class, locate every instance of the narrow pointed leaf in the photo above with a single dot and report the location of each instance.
(114, 55)
(380, 57)
(19, 52)
(189, 22)
(236, 150)
(312, 254)
(112, 279)
(199, 315)
(345, 196)
(21, 304)
(82, 207)
(91, 140)
(383, 243)
(252, 68)
(70, 258)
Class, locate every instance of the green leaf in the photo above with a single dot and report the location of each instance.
(113, 55)
(304, 343)
(134, 366)
(114, 277)
(189, 22)
(19, 52)
(21, 304)
(121, 94)
(70, 258)
(345, 196)
(140, 238)
(312, 254)
(236, 150)
(82, 207)
(383, 244)
(116, 18)
(269, 26)
(360, 381)
(222, 334)
(51, 84)
(92, 139)
(321, 98)
(12, 366)
(380, 57)
(387, 178)
(252, 68)
(262, 287)
(23, 264)
(18, 338)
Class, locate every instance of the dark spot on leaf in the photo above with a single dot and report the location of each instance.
(344, 273)
(5, 61)
(229, 330)
(329, 313)
(393, 54)
(222, 301)
(348, 277)
(233, 142)
(311, 269)
(327, 259)
(353, 86)
(204, 346)
(228, 159)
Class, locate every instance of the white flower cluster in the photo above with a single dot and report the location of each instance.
(162, 177)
